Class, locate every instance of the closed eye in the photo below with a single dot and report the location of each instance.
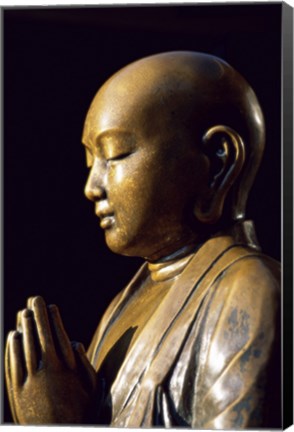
(119, 157)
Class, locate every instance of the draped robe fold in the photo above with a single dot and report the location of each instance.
(209, 355)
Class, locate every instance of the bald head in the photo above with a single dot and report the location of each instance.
(181, 96)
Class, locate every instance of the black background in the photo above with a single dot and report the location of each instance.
(55, 59)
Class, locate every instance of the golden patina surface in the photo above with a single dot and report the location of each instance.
(173, 143)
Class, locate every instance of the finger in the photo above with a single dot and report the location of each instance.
(18, 321)
(30, 302)
(16, 359)
(86, 367)
(62, 339)
(29, 342)
(79, 348)
(7, 354)
(8, 380)
(44, 330)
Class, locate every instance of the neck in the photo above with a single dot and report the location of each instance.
(174, 251)
(243, 231)
(171, 265)
(179, 253)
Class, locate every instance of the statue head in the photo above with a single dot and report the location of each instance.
(173, 142)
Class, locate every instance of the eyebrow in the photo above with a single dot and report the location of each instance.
(112, 133)
(109, 133)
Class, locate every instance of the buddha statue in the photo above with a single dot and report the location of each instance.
(173, 143)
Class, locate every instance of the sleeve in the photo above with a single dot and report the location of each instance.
(238, 361)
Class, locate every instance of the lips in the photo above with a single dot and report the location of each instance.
(105, 214)
(106, 222)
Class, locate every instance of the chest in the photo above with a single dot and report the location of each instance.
(128, 326)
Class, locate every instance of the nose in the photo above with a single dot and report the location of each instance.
(95, 186)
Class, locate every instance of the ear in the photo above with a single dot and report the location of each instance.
(226, 152)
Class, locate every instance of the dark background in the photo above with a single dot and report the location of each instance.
(55, 59)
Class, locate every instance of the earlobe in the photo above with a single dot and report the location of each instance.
(226, 152)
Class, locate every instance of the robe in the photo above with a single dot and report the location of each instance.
(208, 356)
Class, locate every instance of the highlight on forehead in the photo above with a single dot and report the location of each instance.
(168, 89)
(161, 79)
(165, 71)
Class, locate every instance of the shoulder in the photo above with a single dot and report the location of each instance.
(240, 332)
(247, 295)
(243, 312)
(251, 282)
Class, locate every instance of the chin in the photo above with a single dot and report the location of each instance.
(121, 246)
(129, 244)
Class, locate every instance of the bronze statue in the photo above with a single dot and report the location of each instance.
(173, 142)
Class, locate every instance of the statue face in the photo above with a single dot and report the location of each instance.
(145, 174)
